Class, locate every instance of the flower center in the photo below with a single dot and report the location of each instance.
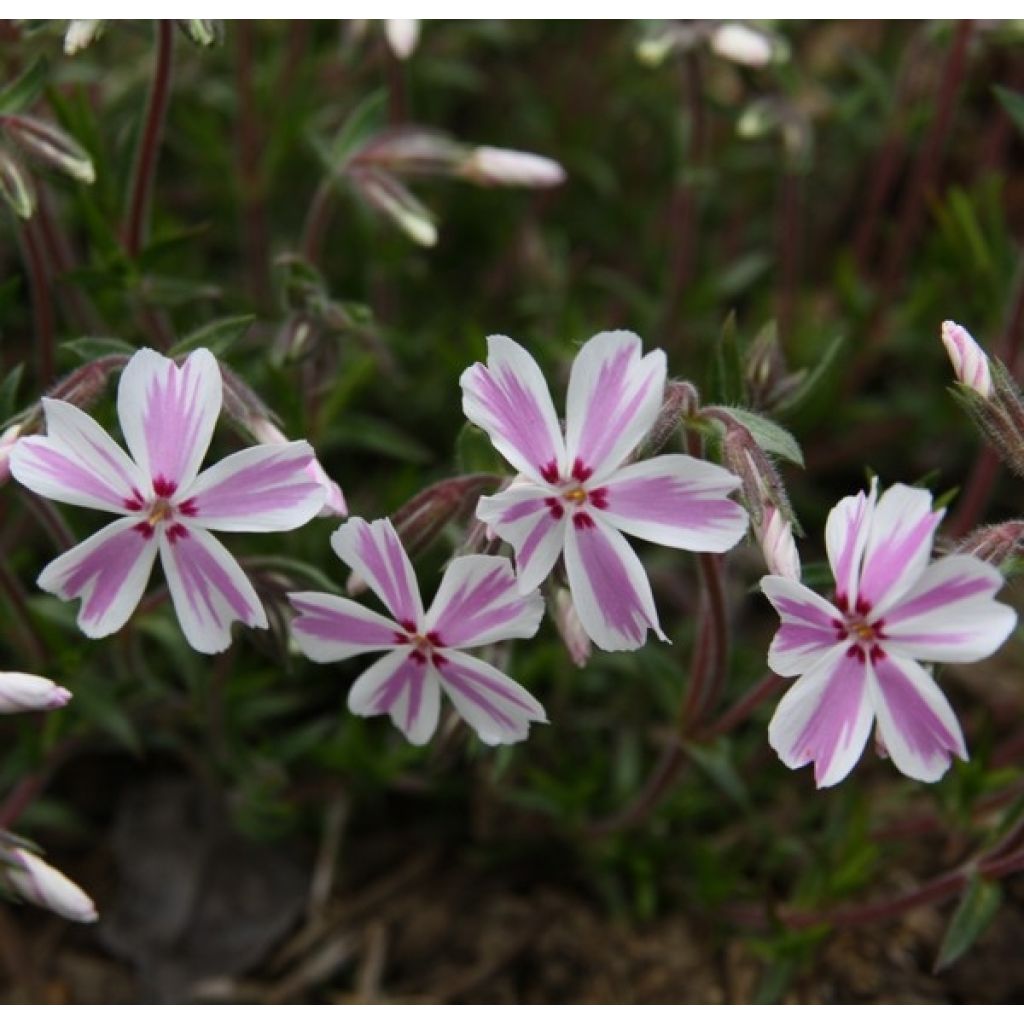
(856, 625)
(575, 494)
(160, 509)
(424, 645)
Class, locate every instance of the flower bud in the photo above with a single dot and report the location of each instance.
(970, 364)
(570, 629)
(16, 186)
(743, 44)
(680, 399)
(402, 35)
(266, 432)
(37, 882)
(489, 165)
(52, 145)
(423, 517)
(81, 34)
(776, 536)
(995, 544)
(7, 441)
(20, 691)
(387, 194)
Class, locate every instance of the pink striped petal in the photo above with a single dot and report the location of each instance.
(950, 614)
(478, 603)
(168, 413)
(808, 630)
(899, 545)
(109, 572)
(330, 628)
(374, 552)
(509, 399)
(916, 723)
(208, 587)
(825, 717)
(609, 586)
(496, 707)
(846, 536)
(77, 462)
(614, 399)
(674, 500)
(529, 518)
(403, 686)
(258, 490)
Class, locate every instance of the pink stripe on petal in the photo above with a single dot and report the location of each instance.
(846, 536)
(614, 398)
(609, 586)
(109, 572)
(917, 725)
(509, 399)
(168, 412)
(404, 687)
(208, 587)
(809, 626)
(260, 489)
(375, 553)
(478, 603)
(330, 628)
(675, 500)
(825, 718)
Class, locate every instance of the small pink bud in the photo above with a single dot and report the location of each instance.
(488, 165)
(37, 882)
(567, 621)
(778, 546)
(969, 361)
(20, 691)
(7, 442)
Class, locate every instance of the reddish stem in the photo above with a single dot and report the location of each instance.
(149, 145)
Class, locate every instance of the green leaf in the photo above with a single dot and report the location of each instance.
(1013, 104)
(716, 761)
(368, 117)
(974, 913)
(811, 381)
(9, 392)
(89, 348)
(24, 90)
(727, 375)
(775, 439)
(218, 336)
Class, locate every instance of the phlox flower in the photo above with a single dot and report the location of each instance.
(576, 495)
(858, 655)
(477, 604)
(163, 503)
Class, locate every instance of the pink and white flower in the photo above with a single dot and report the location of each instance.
(970, 364)
(163, 503)
(476, 604)
(576, 495)
(858, 655)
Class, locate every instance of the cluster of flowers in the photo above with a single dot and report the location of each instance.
(575, 495)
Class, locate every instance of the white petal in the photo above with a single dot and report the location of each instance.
(40, 883)
(258, 490)
(509, 399)
(809, 627)
(899, 545)
(208, 587)
(614, 399)
(674, 500)
(21, 691)
(108, 571)
(917, 725)
(825, 717)
(478, 603)
(950, 614)
(529, 518)
(846, 536)
(77, 462)
(403, 685)
(374, 552)
(330, 628)
(609, 586)
(496, 707)
(168, 413)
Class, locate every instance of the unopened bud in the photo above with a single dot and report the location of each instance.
(776, 536)
(8, 439)
(743, 44)
(205, 33)
(81, 34)
(20, 691)
(995, 544)
(86, 385)
(680, 399)
(761, 483)
(52, 145)
(16, 186)
(37, 882)
(423, 517)
(488, 165)
(410, 150)
(570, 629)
(970, 364)
(402, 35)
(388, 195)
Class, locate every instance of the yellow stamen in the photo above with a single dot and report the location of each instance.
(577, 494)
(161, 510)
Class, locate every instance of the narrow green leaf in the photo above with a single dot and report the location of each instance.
(810, 382)
(974, 913)
(218, 336)
(1013, 104)
(23, 91)
(727, 378)
(772, 437)
(89, 348)
(364, 120)
(9, 393)
(716, 762)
